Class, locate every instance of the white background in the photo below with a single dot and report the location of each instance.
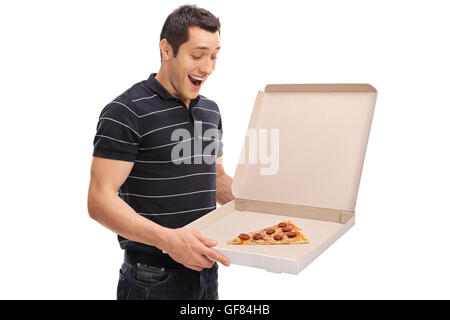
(63, 61)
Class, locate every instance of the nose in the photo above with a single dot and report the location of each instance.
(207, 67)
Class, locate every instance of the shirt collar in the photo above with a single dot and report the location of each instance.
(154, 85)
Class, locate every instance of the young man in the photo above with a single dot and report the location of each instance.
(146, 183)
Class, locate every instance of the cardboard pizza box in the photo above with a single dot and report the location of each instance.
(318, 134)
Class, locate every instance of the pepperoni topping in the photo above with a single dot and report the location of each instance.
(277, 237)
(292, 234)
(257, 236)
(282, 224)
(244, 236)
(287, 229)
(270, 231)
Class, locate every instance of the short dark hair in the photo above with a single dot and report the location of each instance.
(176, 27)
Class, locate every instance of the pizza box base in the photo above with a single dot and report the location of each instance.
(227, 222)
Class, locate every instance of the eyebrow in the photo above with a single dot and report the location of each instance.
(204, 48)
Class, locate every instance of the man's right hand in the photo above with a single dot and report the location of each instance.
(191, 249)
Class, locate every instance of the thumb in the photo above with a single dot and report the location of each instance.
(206, 241)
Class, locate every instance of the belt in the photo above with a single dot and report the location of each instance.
(135, 257)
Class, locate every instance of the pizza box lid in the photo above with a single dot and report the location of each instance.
(317, 158)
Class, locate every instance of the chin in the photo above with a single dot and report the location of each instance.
(191, 94)
(194, 95)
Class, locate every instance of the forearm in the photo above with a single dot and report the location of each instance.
(223, 188)
(115, 214)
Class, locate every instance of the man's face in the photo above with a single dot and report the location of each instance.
(194, 63)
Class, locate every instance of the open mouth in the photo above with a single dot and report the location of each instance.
(196, 81)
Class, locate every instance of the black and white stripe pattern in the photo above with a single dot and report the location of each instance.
(137, 126)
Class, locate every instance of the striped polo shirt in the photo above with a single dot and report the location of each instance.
(174, 151)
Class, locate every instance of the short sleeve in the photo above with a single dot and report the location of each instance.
(118, 133)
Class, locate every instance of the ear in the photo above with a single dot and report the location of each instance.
(166, 50)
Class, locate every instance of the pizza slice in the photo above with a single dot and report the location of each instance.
(282, 233)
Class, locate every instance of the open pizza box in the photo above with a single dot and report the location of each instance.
(318, 135)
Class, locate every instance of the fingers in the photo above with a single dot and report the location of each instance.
(206, 262)
(205, 250)
(205, 240)
(201, 261)
(213, 254)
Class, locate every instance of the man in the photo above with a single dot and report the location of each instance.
(146, 183)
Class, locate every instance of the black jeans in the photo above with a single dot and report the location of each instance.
(142, 282)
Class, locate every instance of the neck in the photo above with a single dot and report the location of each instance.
(163, 78)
